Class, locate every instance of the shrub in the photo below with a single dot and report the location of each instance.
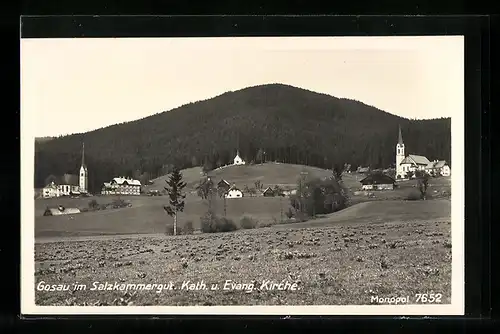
(248, 223)
(93, 204)
(413, 196)
(119, 203)
(210, 223)
(187, 228)
(289, 213)
(226, 225)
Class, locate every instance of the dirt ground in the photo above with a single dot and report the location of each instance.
(338, 264)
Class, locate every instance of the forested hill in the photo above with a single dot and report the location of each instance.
(288, 123)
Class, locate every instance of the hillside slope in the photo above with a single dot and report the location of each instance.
(269, 174)
(291, 125)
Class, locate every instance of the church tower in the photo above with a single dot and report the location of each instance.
(84, 175)
(400, 155)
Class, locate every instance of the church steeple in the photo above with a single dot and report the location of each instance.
(83, 154)
(84, 177)
(400, 139)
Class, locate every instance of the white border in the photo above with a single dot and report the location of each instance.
(457, 306)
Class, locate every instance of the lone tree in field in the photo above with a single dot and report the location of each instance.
(174, 188)
(422, 183)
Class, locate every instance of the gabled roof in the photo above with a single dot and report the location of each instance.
(440, 164)
(378, 178)
(268, 189)
(415, 159)
(122, 180)
(224, 181)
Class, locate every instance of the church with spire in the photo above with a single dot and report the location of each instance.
(400, 156)
(84, 174)
(237, 159)
(68, 184)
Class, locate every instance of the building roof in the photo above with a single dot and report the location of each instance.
(377, 178)
(234, 188)
(224, 181)
(122, 180)
(268, 189)
(415, 159)
(66, 179)
(440, 164)
(61, 211)
(436, 164)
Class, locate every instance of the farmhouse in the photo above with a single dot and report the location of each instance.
(223, 184)
(237, 159)
(377, 181)
(269, 192)
(122, 186)
(438, 167)
(289, 192)
(363, 170)
(60, 211)
(234, 193)
(65, 186)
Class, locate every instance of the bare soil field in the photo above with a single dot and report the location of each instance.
(337, 264)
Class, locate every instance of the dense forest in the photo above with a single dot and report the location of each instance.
(265, 123)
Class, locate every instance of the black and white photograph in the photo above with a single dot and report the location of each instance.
(243, 175)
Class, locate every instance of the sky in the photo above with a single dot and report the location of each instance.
(81, 84)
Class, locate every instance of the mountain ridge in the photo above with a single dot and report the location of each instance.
(290, 123)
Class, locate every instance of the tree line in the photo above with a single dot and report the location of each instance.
(265, 123)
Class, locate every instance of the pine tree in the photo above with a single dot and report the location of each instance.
(175, 185)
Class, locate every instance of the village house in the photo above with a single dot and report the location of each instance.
(60, 211)
(268, 192)
(289, 192)
(438, 167)
(64, 186)
(234, 192)
(122, 186)
(223, 184)
(377, 181)
(363, 170)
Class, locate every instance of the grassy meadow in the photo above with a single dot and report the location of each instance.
(383, 245)
(147, 215)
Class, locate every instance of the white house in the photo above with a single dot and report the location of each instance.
(66, 186)
(122, 186)
(438, 167)
(446, 170)
(237, 159)
(234, 193)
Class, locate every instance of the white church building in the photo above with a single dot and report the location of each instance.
(238, 160)
(69, 184)
(413, 162)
